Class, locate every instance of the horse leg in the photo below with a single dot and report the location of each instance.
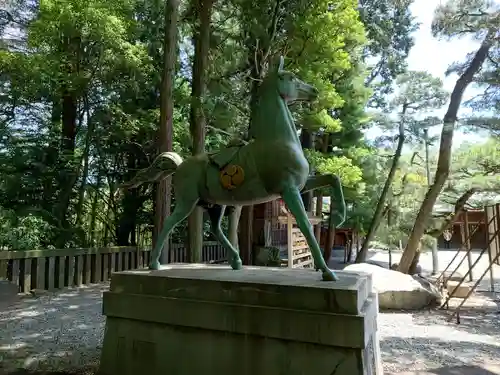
(181, 211)
(336, 195)
(293, 200)
(216, 213)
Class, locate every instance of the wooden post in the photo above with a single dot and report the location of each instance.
(246, 234)
(319, 213)
(466, 234)
(463, 242)
(289, 230)
(497, 241)
(490, 255)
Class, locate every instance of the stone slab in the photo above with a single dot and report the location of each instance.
(263, 286)
(188, 319)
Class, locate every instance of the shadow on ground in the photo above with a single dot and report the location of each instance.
(457, 370)
(83, 371)
(52, 332)
(427, 355)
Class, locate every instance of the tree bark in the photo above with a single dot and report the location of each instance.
(85, 173)
(330, 237)
(93, 212)
(435, 257)
(163, 196)
(443, 164)
(380, 209)
(234, 220)
(203, 9)
(307, 141)
(319, 213)
(452, 218)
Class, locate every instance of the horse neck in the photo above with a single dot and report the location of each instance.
(272, 119)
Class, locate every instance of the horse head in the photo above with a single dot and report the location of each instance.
(292, 89)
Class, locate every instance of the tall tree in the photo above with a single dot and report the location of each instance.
(165, 131)
(418, 93)
(203, 11)
(453, 19)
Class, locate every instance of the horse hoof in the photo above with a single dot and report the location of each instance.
(154, 265)
(236, 264)
(329, 275)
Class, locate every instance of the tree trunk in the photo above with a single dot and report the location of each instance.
(163, 197)
(67, 172)
(459, 208)
(319, 199)
(203, 9)
(246, 235)
(319, 213)
(379, 210)
(93, 212)
(435, 257)
(330, 237)
(307, 141)
(85, 173)
(443, 164)
(414, 263)
(234, 220)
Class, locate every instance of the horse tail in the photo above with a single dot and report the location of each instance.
(162, 166)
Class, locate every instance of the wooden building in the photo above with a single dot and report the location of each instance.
(475, 218)
(274, 212)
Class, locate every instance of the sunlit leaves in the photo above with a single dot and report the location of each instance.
(419, 91)
(342, 166)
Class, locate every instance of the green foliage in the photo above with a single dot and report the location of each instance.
(342, 166)
(389, 25)
(79, 101)
(475, 166)
(479, 20)
(21, 233)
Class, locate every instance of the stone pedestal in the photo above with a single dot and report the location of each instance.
(188, 319)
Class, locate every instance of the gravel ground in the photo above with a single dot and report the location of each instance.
(63, 332)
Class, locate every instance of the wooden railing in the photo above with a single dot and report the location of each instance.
(60, 268)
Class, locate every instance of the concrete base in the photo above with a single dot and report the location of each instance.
(200, 319)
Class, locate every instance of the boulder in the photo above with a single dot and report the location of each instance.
(398, 291)
(418, 270)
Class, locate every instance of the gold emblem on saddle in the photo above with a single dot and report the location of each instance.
(232, 176)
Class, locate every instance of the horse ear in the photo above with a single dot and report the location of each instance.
(281, 64)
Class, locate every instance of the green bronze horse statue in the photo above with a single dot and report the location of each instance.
(271, 165)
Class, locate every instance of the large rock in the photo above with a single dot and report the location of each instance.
(418, 269)
(399, 291)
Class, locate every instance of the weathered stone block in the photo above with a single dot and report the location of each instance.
(189, 319)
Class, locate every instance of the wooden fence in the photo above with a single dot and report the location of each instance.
(60, 268)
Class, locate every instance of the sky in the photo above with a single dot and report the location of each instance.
(435, 56)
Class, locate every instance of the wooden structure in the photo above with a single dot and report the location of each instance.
(492, 238)
(283, 235)
(465, 222)
(493, 226)
(59, 268)
(298, 254)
